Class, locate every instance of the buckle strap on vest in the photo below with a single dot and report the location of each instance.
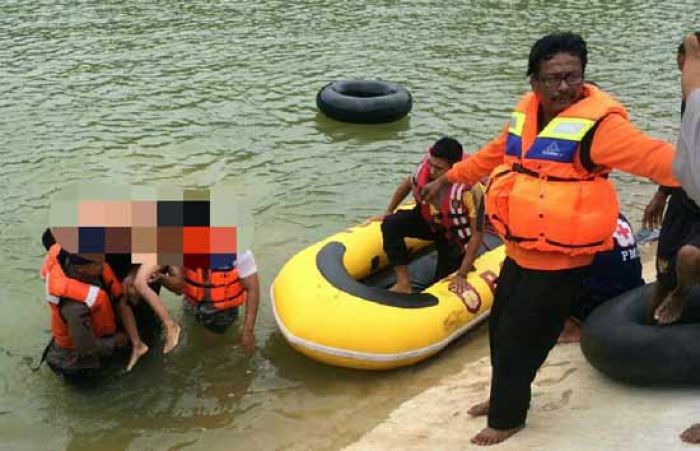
(517, 167)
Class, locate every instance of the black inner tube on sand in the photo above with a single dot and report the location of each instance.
(364, 101)
(617, 342)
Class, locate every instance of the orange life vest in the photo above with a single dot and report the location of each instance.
(454, 222)
(59, 286)
(539, 198)
(221, 287)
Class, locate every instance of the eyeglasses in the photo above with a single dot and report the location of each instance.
(555, 80)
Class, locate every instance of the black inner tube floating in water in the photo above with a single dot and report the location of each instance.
(617, 342)
(364, 101)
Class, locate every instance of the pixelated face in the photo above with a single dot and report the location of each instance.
(181, 230)
(559, 82)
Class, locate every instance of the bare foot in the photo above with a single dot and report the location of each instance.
(671, 308)
(571, 332)
(401, 288)
(692, 434)
(172, 337)
(490, 436)
(137, 351)
(481, 409)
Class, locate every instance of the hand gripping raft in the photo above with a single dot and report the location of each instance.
(326, 312)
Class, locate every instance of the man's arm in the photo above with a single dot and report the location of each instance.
(473, 169)
(686, 165)
(470, 251)
(617, 144)
(173, 281)
(481, 163)
(474, 202)
(654, 211)
(399, 195)
(252, 287)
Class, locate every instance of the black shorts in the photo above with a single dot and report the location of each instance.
(210, 317)
(680, 227)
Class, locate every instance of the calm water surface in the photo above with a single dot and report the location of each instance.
(202, 93)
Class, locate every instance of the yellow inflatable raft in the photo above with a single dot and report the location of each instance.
(326, 313)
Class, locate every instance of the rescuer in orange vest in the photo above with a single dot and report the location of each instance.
(80, 293)
(213, 295)
(550, 199)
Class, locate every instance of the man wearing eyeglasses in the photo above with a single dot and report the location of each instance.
(550, 199)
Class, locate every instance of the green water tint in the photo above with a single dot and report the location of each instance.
(207, 93)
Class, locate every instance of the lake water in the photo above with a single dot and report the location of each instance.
(205, 93)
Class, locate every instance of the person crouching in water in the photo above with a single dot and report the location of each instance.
(455, 224)
(80, 293)
(213, 295)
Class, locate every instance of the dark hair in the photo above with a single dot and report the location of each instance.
(548, 46)
(448, 149)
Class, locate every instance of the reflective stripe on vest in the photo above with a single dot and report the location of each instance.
(558, 141)
(458, 213)
(515, 133)
(50, 297)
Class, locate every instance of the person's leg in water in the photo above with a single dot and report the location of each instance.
(395, 228)
(687, 275)
(528, 328)
(141, 283)
(138, 347)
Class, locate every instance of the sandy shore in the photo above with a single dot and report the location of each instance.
(573, 408)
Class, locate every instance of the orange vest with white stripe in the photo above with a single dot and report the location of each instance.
(541, 198)
(59, 286)
(223, 288)
(453, 213)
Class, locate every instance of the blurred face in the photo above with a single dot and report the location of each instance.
(559, 83)
(438, 166)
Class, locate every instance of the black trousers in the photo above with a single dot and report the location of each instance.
(409, 223)
(527, 316)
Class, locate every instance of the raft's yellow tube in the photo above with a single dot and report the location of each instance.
(333, 326)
